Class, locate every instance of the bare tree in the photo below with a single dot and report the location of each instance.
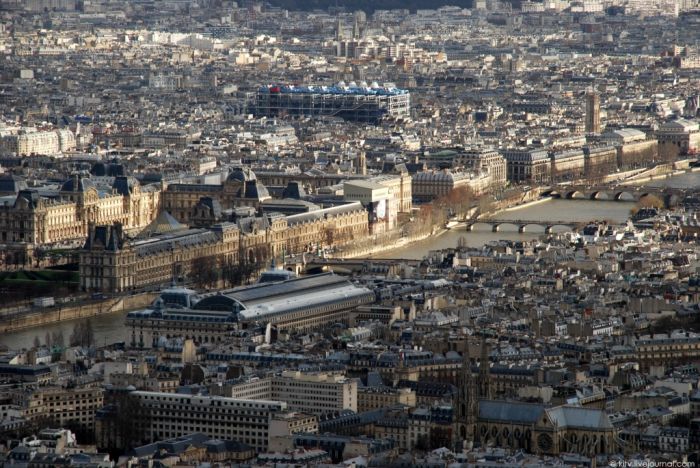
(462, 243)
(57, 339)
(651, 201)
(83, 334)
(328, 236)
(204, 271)
(232, 272)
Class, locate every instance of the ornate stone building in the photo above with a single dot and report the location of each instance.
(676, 138)
(567, 165)
(535, 428)
(528, 165)
(470, 391)
(241, 188)
(485, 160)
(29, 141)
(166, 250)
(327, 227)
(37, 219)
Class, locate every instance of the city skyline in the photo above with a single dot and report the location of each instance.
(349, 233)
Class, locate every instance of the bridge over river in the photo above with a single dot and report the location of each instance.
(523, 224)
(670, 196)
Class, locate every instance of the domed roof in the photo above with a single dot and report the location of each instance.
(77, 183)
(241, 174)
(10, 183)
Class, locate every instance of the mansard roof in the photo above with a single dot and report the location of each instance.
(77, 183)
(10, 183)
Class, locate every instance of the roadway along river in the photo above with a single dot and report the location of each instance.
(559, 210)
(110, 328)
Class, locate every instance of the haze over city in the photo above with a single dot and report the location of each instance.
(349, 233)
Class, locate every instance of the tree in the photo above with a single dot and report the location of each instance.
(83, 334)
(39, 256)
(651, 201)
(204, 271)
(328, 236)
(37, 342)
(57, 339)
(231, 271)
(462, 243)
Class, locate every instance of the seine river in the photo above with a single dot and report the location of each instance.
(554, 209)
(110, 328)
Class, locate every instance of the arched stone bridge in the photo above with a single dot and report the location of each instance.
(670, 196)
(523, 224)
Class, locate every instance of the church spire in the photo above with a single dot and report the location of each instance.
(484, 387)
(339, 33)
(466, 408)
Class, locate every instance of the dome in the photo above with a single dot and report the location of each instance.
(241, 174)
(77, 183)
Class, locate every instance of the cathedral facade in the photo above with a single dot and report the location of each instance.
(481, 420)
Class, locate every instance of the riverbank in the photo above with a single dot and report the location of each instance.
(574, 211)
(39, 317)
(519, 207)
(662, 171)
(389, 245)
(523, 200)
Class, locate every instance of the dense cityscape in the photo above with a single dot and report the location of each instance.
(349, 234)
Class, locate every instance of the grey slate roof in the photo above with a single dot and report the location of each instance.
(577, 417)
(528, 413)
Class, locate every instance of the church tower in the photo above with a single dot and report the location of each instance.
(466, 409)
(339, 32)
(484, 384)
(471, 390)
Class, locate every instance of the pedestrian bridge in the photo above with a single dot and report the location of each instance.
(524, 225)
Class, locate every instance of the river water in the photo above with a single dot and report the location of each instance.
(110, 328)
(553, 210)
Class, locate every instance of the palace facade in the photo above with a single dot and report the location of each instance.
(33, 218)
(241, 188)
(166, 250)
